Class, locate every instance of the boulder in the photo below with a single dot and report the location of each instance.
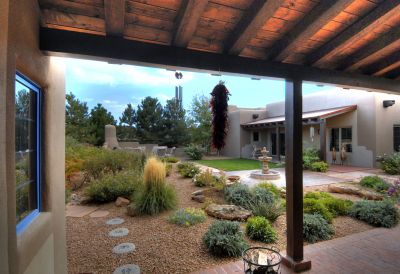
(199, 198)
(354, 189)
(121, 201)
(228, 212)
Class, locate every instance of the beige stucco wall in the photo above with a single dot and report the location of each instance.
(385, 119)
(19, 50)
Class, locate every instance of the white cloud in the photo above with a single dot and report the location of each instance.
(95, 72)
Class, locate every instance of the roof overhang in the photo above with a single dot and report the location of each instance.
(309, 118)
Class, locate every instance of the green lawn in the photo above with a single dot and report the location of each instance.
(235, 164)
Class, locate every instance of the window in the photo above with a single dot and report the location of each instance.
(334, 139)
(27, 151)
(256, 136)
(339, 137)
(347, 138)
(396, 138)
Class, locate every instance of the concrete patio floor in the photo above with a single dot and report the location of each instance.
(310, 178)
(372, 251)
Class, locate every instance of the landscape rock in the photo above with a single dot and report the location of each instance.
(199, 198)
(131, 210)
(354, 189)
(76, 179)
(228, 212)
(121, 201)
(283, 193)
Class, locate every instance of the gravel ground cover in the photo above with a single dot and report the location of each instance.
(160, 247)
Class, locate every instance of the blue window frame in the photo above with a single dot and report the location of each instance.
(27, 151)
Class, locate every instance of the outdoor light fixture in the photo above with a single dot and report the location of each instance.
(178, 75)
(388, 103)
(255, 116)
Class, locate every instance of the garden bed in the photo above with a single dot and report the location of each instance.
(162, 247)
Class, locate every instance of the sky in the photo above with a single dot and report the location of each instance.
(114, 86)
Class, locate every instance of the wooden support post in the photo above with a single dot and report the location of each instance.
(294, 177)
(278, 144)
(322, 140)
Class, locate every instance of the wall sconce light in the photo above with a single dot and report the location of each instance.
(388, 103)
(255, 116)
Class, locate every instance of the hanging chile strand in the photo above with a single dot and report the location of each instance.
(219, 107)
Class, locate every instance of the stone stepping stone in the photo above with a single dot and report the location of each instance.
(79, 211)
(99, 213)
(127, 269)
(115, 221)
(118, 232)
(124, 248)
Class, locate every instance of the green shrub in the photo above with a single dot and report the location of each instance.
(110, 187)
(188, 170)
(376, 183)
(188, 216)
(310, 156)
(338, 207)
(205, 178)
(269, 211)
(318, 195)
(335, 206)
(240, 195)
(260, 229)
(313, 206)
(316, 228)
(168, 169)
(271, 187)
(391, 163)
(319, 166)
(225, 239)
(377, 213)
(155, 195)
(263, 196)
(194, 152)
(171, 160)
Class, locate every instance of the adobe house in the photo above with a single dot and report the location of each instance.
(347, 43)
(367, 124)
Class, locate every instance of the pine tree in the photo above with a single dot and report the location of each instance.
(149, 120)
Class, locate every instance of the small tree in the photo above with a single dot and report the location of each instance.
(126, 129)
(149, 120)
(174, 124)
(200, 121)
(77, 120)
(99, 117)
(219, 107)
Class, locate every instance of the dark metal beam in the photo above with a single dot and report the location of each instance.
(312, 22)
(251, 22)
(371, 50)
(376, 17)
(83, 45)
(294, 176)
(115, 17)
(187, 20)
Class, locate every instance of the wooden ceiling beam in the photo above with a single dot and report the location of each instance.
(74, 44)
(371, 51)
(356, 31)
(251, 22)
(383, 66)
(393, 74)
(186, 22)
(312, 22)
(115, 17)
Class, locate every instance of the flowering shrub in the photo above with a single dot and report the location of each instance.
(188, 216)
(394, 191)
(205, 178)
(390, 163)
(188, 170)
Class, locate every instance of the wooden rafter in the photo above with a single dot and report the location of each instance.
(383, 66)
(353, 33)
(319, 16)
(393, 74)
(371, 51)
(251, 22)
(115, 17)
(187, 20)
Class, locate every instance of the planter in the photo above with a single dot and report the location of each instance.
(262, 260)
(233, 178)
